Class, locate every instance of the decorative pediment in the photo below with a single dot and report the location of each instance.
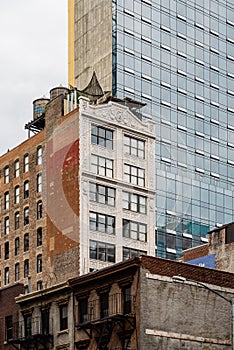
(117, 113)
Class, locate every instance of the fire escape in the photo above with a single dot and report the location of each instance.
(106, 317)
(31, 333)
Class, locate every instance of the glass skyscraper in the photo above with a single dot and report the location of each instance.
(178, 57)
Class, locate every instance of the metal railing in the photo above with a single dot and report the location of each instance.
(22, 329)
(113, 305)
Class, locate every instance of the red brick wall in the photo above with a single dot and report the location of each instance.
(196, 252)
(173, 268)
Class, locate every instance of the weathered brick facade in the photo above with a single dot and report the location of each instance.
(142, 303)
(8, 308)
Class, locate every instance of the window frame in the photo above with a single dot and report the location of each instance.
(6, 225)
(26, 268)
(17, 194)
(132, 175)
(39, 155)
(39, 263)
(6, 200)
(63, 319)
(6, 174)
(26, 189)
(100, 137)
(26, 163)
(17, 246)
(100, 166)
(26, 242)
(102, 194)
(39, 236)
(102, 249)
(16, 168)
(129, 147)
(132, 201)
(17, 271)
(17, 220)
(39, 182)
(26, 216)
(128, 230)
(6, 275)
(102, 222)
(39, 210)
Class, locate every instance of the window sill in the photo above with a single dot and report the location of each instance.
(64, 331)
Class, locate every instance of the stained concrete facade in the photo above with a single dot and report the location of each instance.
(92, 42)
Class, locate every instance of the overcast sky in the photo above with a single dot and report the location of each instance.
(33, 59)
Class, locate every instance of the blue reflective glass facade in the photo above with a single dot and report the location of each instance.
(178, 57)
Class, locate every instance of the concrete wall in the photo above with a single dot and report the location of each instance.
(93, 42)
(177, 315)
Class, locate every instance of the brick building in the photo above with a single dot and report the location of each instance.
(79, 194)
(9, 313)
(142, 303)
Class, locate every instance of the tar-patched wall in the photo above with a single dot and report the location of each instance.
(182, 315)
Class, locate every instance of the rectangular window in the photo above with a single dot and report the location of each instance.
(6, 250)
(101, 194)
(101, 166)
(26, 189)
(17, 220)
(134, 175)
(9, 327)
(26, 216)
(39, 236)
(6, 276)
(102, 251)
(17, 272)
(63, 317)
(26, 163)
(6, 175)
(39, 210)
(39, 263)
(45, 317)
(83, 310)
(17, 245)
(39, 182)
(102, 136)
(104, 305)
(132, 253)
(17, 194)
(127, 300)
(26, 268)
(6, 226)
(39, 155)
(6, 200)
(134, 230)
(26, 242)
(16, 168)
(101, 222)
(134, 202)
(28, 325)
(134, 147)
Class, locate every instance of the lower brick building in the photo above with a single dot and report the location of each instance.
(141, 303)
(9, 315)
